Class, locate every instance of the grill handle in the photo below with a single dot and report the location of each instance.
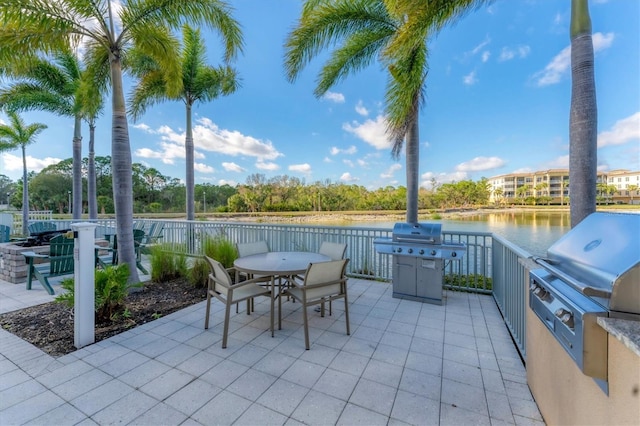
(584, 289)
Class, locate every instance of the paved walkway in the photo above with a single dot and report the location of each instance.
(404, 363)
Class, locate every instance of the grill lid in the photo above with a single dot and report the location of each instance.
(421, 233)
(602, 253)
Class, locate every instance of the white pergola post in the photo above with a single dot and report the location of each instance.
(84, 332)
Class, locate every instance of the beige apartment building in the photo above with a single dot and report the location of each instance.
(552, 187)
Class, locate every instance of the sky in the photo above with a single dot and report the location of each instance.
(497, 101)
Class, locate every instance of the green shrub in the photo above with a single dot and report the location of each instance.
(220, 249)
(199, 273)
(167, 265)
(475, 281)
(111, 290)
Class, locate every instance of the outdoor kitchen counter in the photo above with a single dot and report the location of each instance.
(628, 332)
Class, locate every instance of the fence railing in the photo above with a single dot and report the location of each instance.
(490, 265)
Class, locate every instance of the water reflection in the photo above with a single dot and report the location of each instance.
(534, 231)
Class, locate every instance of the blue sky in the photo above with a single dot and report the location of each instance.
(497, 101)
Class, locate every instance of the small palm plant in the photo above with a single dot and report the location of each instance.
(111, 290)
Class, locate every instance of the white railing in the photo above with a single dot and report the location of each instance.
(491, 264)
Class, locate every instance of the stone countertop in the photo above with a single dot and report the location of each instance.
(628, 332)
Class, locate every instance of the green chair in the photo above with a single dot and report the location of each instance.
(36, 227)
(112, 257)
(60, 262)
(5, 234)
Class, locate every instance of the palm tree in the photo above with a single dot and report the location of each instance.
(395, 32)
(583, 126)
(18, 135)
(50, 85)
(200, 83)
(47, 26)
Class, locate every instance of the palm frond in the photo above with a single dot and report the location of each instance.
(150, 90)
(327, 24)
(215, 14)
(31, 97)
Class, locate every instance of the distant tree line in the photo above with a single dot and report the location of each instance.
(154, 192)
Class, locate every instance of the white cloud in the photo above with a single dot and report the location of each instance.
(390, 171)
(480, 46)
(203, 168)
(14, 163)
(301, 168)
(348, 163)
(263, 165)
(360, 109)
(327, 160)
(232, 167)
(561, 162)
(507, 53)
(373, 132)
(362, 163)
(486, 55)
(346, 177)
(334, 97)
(440, 178)
(529, 169)
(207, 136)
(470, 79)
(227, 182)
(480, 164)
(351, 150)
(623, 131)
(560, 64)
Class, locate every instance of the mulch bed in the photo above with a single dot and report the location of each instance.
(50, 326)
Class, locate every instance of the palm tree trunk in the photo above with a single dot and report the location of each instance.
(77, 167)
(413, 158)
(92, 199)
(583, 126)
(189, 155)
(25, 193)
(122, 173)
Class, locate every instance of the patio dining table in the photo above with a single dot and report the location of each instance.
(277, 265)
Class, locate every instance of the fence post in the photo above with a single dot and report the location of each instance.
(84, 328)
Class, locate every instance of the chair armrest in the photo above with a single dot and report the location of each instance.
(30, 254)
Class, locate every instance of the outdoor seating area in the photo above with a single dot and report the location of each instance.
(405, 362)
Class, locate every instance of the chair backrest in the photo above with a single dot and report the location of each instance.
(60, 254)
(335, 251)
(326, 277)
(219, 279)
(247, 249)
(4, 234)
(41, 227)
(138, 236)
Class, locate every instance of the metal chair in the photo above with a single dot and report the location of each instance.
(324, 281)
(222, 288)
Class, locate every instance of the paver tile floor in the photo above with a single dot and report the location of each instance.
(404, 363)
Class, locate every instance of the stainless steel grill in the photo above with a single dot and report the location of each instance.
(418, 260)
(592, 271)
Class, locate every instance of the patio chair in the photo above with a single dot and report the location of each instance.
(335, 251)
(248, 249)
(36, 227)
(221, 287)
(5, 233)
(324, 281)
(60, 262)
(111, 258)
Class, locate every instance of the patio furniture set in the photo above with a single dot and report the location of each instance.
(306, 277)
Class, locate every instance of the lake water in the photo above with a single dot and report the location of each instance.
(533, 231)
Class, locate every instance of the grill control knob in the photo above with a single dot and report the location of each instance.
(454, 254)
(421, 251)
(399, 249)
(410, 250)
(566, 317)
(433, 252)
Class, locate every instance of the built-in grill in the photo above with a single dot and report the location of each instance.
(592, 271)
(419, 256)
